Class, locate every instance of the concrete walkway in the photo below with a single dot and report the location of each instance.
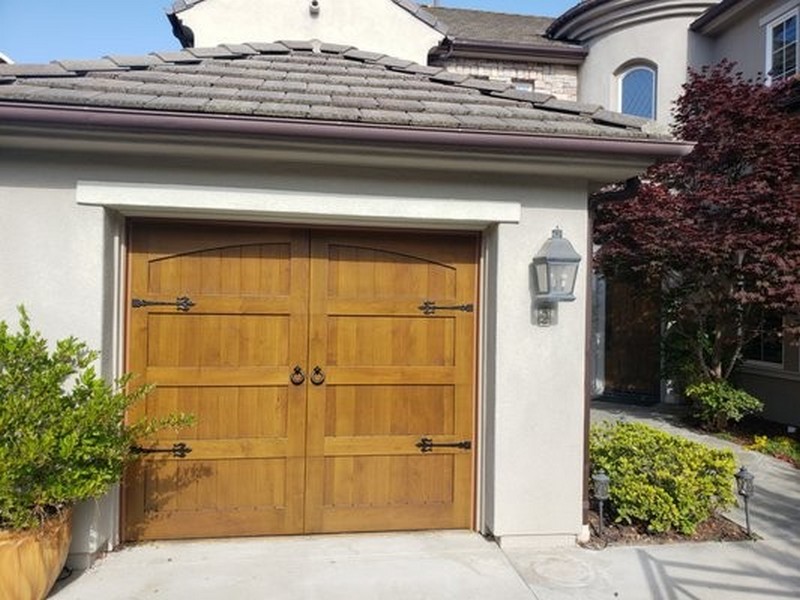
(775, 506)
(463, 566)
(767, 568)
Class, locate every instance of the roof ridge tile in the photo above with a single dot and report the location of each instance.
(445, 76)
(52, 69)
(82, 66)
(213, 52)
(327, 48)
(299, 45)
(269, 47)
(177, 56)
(135, 61)
(363, 55)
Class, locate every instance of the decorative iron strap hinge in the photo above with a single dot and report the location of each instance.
(178, 450)
(427, 445)
(183, 304)
(429, 307)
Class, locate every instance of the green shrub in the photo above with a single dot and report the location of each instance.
(63, 438)
(781, 446)
(717, 402)
(660, 480)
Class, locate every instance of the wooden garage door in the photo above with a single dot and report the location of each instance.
(318, 376)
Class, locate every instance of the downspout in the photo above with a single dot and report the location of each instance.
(588, 371)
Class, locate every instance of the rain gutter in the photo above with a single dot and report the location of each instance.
(192, 123)
(570, 55)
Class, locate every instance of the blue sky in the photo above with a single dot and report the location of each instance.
(44, 30)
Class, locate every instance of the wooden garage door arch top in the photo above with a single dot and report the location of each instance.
(314, 371)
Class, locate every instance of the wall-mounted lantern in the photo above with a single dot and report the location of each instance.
(555, 269)
(313, 8)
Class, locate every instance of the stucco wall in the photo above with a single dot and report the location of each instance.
(779, 390)
(56, 260)
(745, 41)
(373, 25)
(63, 260)
(538, 384)
(663, 43)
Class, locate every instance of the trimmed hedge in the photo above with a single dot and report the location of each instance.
(662, 481)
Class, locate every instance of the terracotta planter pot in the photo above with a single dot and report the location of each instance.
(30, 561)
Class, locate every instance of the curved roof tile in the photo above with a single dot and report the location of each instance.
(309, 81)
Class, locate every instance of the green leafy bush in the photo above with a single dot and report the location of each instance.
(717, 402)
(780, 446)
(661, 480)
(63, 437)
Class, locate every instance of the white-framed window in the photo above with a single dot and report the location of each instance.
(782, 46)
(637, 91)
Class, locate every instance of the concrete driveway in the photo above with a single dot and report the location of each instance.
(461, 565)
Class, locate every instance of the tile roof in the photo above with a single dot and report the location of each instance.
(312, 82)
(485, 26)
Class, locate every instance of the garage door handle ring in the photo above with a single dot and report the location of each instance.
(297, 377)
(318, 376)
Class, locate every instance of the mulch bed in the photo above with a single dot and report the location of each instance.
(716, 529)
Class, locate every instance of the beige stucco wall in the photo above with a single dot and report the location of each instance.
(744, 41)
(373, 25)
(559, 80)
(663, 43)
(537, 378)
(64, 261)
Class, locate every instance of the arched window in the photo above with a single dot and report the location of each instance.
(637, 92)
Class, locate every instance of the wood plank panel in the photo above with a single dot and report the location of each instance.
(228, 361)
(393, 376)
(272, 457)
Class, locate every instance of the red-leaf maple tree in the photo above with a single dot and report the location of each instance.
(716, 232)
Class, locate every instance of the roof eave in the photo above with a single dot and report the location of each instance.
(514, 52)
(565, 19)
(716, 17)
(138, 121)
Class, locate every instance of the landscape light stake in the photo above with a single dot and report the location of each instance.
(601, 483)
(744, 487)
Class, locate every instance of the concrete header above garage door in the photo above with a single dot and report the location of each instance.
(293, 206)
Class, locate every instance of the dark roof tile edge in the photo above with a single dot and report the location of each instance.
(422, 14)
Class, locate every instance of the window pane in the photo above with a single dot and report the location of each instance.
(767, 345)
(791, 60)
(784, 49)
(638, 93)
(777, 36)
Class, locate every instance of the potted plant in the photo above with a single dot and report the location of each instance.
(63, 439)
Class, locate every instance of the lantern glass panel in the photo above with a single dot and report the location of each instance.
(542, 278)
(562, 277)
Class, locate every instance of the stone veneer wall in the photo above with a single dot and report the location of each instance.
(559, 80)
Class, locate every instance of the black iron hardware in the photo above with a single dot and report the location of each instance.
(429, 307)
(317, 376)
(297, 377)
(179, 450)
(184, 303)
(427, 445)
